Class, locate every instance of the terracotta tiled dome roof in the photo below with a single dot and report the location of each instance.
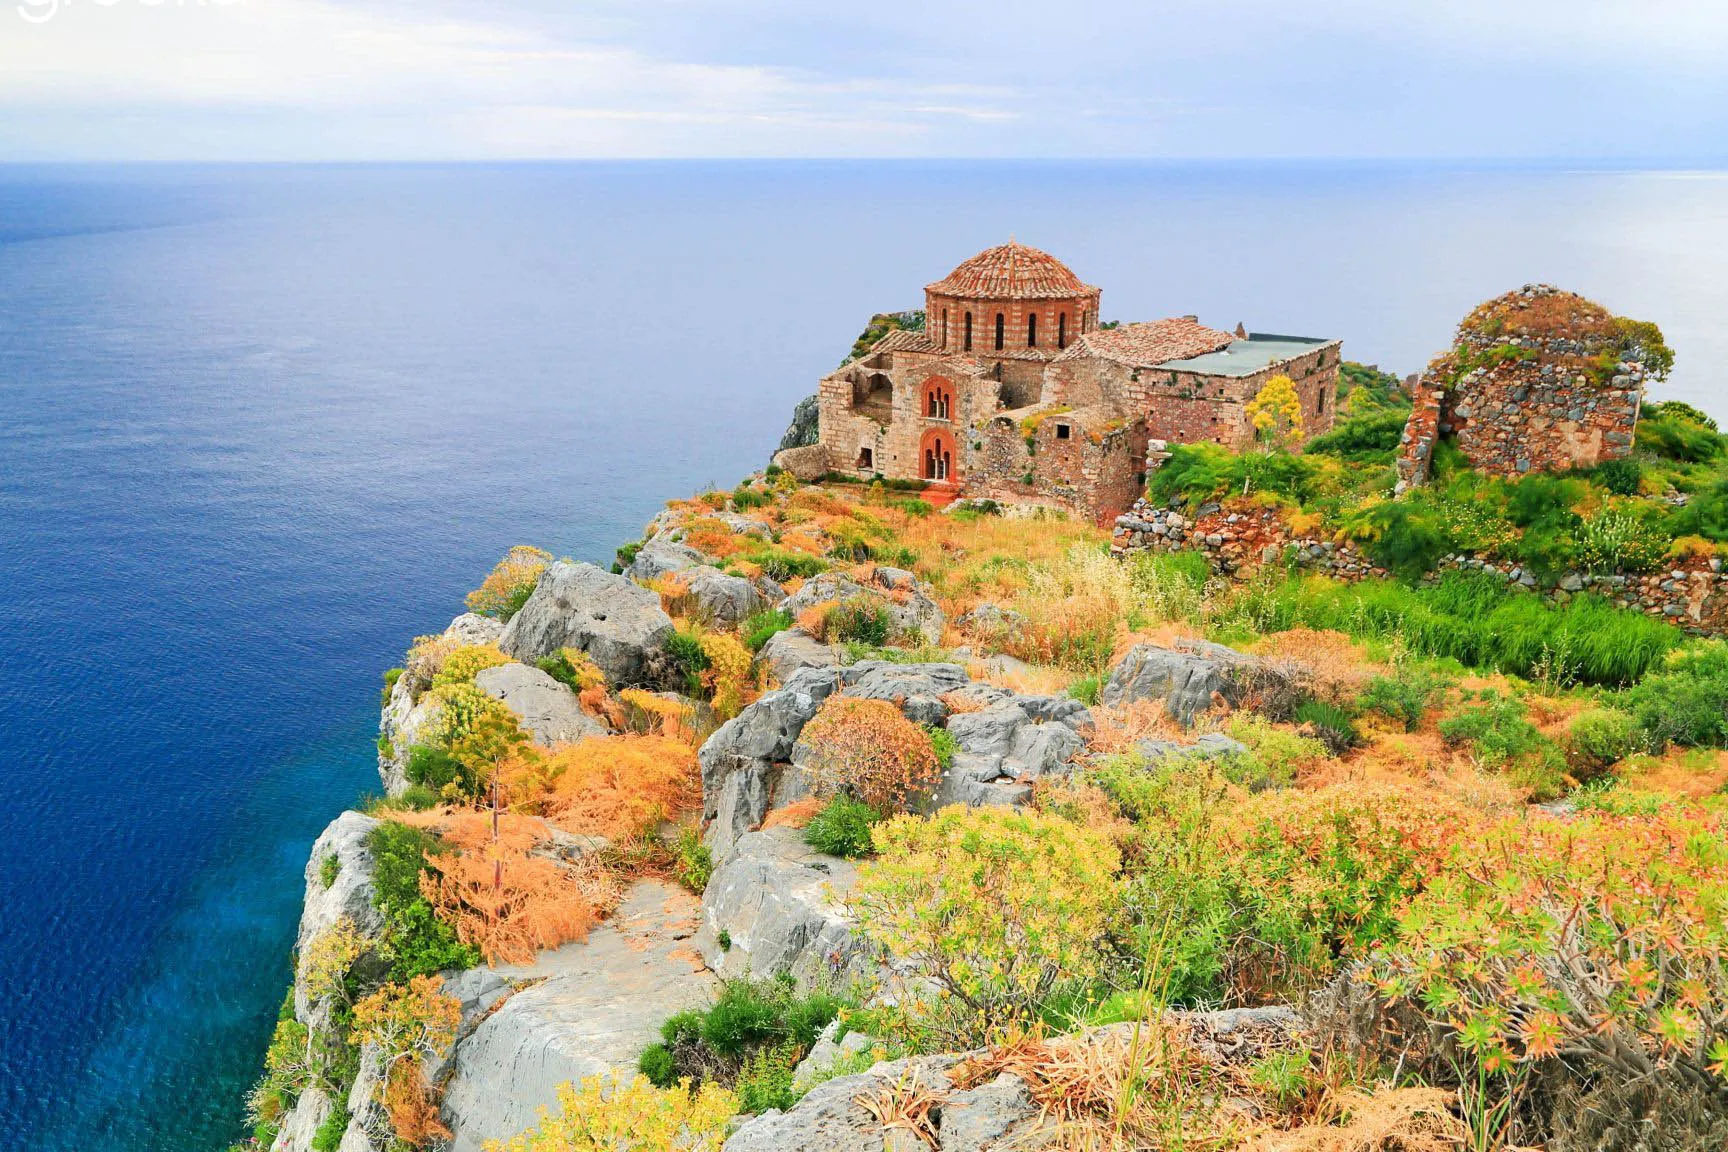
(1012, 272)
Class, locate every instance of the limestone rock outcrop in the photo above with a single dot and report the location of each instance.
(780, 904)
(911, 612)
(659, 556)
(581, 1010)
(792, 649)
(1188, 677)
(547, 709)
(619, 624)
(404, 717)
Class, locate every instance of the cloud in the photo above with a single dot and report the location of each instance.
(435, 79)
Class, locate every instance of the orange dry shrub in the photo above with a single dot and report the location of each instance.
(657, 714)
(1334, 666)
(620, 787)
(1121, 726)
(412, 1105)
(868, 749)
(673, 589)
(803, 542)
(797, 814)
(959, 703)
(713, 537)
(426, 659)
(813, 621)
(598, 703)
(1029, 681)
(498, 896)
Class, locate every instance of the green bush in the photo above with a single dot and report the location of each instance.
(391, 675)
(1676, 431)
(842, 828)
(1274, 754)
(1406, 696)
(1371, 437)
(692, 861)
(944, 745)
(1087, 690)
(1622, 477)
(913, 506)
(1618, 540)
(1685, 701)
(685, 648)
(328, 1136)
(1600, 738)
(1494, 727)
(1206, 471)
(745, 498)
(1332, 725)
(860, 619)
(782, 565)
(656, 1064)
(435, 769)
(329, 868)
(760, 627)
(415, 941)
(765, 1081)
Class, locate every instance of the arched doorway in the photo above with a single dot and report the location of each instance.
(936, 456)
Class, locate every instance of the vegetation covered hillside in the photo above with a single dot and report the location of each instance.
(1472, 841)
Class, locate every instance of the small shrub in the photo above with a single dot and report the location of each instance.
(329, 868)
(436, 770)
(327, 1137)
(842, 828)
(607, 1114)
(693, 863)
(620, 787)
(684, 646)
(727, 676)
(1598, 739)
(415, 941)
(942, 743)
(508, 586)
(573, 668)
(765, 1081)
(391, 676)
(656, 1064)
(1685, 701)
(1406, 696)
(859, 619)
(867, 749)
(1000, 908)
(1331, 725)
(761, 627)
(1275, 755)
(1087, 689)
(1494, 727)
(466, 662)
(745, 498)
(1617, 540)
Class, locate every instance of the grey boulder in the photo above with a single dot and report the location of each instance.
(660, 556)
(780, 904)
(911, 612)
(547, 709)
(793, 648)
(619, 624)
(348, 896)
(1187, 677)
(720, 598)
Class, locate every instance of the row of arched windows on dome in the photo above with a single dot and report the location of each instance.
(1002, 330)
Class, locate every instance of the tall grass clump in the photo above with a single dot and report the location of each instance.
(1472, 619)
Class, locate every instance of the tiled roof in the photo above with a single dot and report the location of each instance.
(1012, 272)
(1146, 344)
(905, 340)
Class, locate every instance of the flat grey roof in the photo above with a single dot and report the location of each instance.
(1246, 357)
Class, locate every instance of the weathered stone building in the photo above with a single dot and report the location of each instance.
(1013, 391)
(1537, 380)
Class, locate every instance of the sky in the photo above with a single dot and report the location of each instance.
(1641, 80)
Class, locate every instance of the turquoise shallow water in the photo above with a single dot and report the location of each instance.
(260, 426)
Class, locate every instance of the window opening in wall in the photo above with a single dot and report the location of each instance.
(1061, 431)
(1320, 403)
(944, 327)
(1032, 330)
(968, 332)
(866, 460)
(999, 319)
(1061, 329)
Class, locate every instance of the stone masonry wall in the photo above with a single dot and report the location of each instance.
(1421, 432)
(1692, 595)
(1093, 472)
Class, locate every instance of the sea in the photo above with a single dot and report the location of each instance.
(262, 425)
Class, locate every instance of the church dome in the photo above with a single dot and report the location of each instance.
(1012, 271)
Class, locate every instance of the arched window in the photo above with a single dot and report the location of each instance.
(1320, 402)
(944, 328)
(999, 319)
(1032, 330)
(968, 331)
(1061, 329)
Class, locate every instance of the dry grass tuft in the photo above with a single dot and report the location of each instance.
(1384, 1120)
(1031, 680)
(905, 1105)
(1334, 666)
(1121, 726)
(797, 814)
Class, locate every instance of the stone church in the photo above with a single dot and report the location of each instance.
(1013, 390)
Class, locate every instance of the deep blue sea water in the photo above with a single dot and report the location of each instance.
(260, 426)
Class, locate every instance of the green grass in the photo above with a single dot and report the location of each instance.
(1471, 618)
(843, 828)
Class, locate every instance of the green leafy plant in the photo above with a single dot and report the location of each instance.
(842, 827)
(761, 627)
(860, 619)
(415, 941)
(1405, 696)
(1494, 727)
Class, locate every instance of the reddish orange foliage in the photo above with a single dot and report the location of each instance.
(620, 787)
(867, 748)
(794, 815)
(412, 1106)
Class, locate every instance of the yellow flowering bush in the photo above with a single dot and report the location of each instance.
(728, 674)
(607, 1115)
(461, 665)
(998, 907)
(509, 584)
